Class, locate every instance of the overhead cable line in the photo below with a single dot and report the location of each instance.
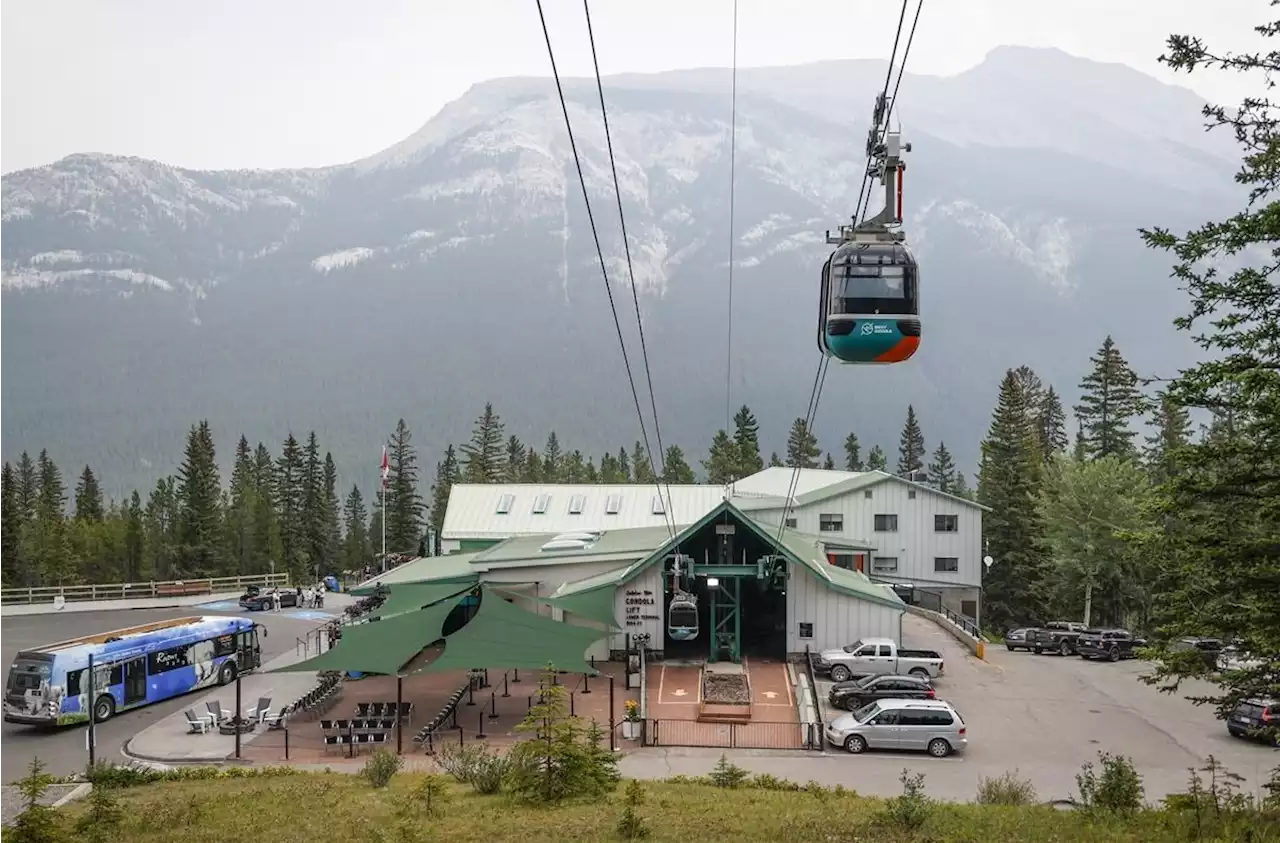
(595, 236)
(635, 297)
(733, 161)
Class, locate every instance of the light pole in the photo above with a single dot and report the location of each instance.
(987, 562)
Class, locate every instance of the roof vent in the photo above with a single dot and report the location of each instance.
(572, 541)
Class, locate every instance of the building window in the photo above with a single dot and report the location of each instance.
(540, 504)
(576, 504)
(504, 504)
(946, 523)
(867, 494)
(843, 560)
(884, 564)
(806, 630)
(791, 523)
(886, 523)
(613, 505)
(946, 564)
(828, 523)
(659, 506)
(911, 494)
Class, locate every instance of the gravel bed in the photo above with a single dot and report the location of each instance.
(725, 688)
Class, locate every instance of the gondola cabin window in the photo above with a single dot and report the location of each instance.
(163, 661)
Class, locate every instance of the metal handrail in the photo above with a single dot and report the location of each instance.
(963, 622)
(138, 590)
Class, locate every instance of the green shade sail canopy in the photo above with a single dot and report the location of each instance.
(410, 597)
(596, 605)
(502, 635)
(381, 646)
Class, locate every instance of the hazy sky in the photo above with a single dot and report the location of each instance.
(314, 82)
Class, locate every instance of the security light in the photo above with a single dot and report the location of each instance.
(713, 582)
(988, 561)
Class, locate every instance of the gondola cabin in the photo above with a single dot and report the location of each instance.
(869, 305)
(682, 616)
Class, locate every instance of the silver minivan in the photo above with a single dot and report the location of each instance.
(932, 726)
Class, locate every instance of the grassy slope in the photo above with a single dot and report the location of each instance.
(321, 808)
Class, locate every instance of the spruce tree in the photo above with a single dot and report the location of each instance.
(722, 462)
(552, 460)
(88, 497)
(533, 467)
(911, 451)
(1051, 423)
(852, 453)
(356, 550)
(241, 497)
(1109, 401)
(1172, 433)
(575, 467)
(404, 504)
(199, 501)
(609, 471)
(802, 446)
(447, 473)
(1014, 531)
(313, 510)
(289, 474)
(266, 546)
(774, 460)
(134, 538)
(593, 474)
(161, 520)
(876, 460)
(624, 466)
(332, 510)
(11, 521)
(746, 439)
(942, 470)
(641, 467)
(26, 488)
(829, 464)
(484, 457)
(678, 469)
(514, 462)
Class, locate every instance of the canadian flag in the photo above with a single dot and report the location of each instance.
(386, 467)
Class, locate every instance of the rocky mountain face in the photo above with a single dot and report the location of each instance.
(457, 267)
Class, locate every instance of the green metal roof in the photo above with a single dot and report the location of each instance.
(454, 567)
(621, 545)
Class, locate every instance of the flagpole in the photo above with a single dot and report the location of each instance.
(384, 471)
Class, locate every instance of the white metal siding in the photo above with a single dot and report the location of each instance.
(649, 581)
(914, 545)
(838, 619)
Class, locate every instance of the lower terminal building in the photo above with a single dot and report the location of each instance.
(757, 594)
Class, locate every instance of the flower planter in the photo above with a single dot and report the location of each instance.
(631, 729)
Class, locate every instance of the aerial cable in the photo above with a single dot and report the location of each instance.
(733, 161)
(595, 236)
(820, 377)
(635, 298)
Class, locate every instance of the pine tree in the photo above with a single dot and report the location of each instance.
(25, 491)
(802, 446)
(404, 504)
(514, 462)
(552, 460)
(356, 551)
(533, 472)
(11, 521)
(289, 501)
(484, 457)
(876, 460)
(746, 439)
(332, 510)
(447, 473)
(266, 545)
(829, 464)
(624, 466)
(134, 538)
(1051, 424)
(199, 501)
(609, 470)
(1015, 533)
(575, 467)
(774, 460)
(852, 453)
(1172, 433)
(593, 475)
(88, 497)
(678, 469)
(942, 470)
(161, 520)
(911, 451)
(722, 462)
(313, 511)
(239, 510)
(642, 468)
(1109, 401)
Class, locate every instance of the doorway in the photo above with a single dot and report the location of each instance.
(135, 680)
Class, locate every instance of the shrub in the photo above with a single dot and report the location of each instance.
(1006, 789)
(475, 765)
(37, 823)
(631, 826)
(911, 810)
(765, 781)
(382, 767)
(727, 775)
(101, 823)
(1116, 789)
(109, 775)
(432, 795)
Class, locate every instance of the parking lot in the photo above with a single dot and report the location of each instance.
(1047, 715)
(64, 750)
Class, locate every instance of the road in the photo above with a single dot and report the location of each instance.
(1043, 716)
(63, 751)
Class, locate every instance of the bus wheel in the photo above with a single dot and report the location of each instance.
(104, 708)
(227, 674)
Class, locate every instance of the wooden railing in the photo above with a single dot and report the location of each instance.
(139, 590)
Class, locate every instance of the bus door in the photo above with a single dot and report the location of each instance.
(135, 680)
(250, 653)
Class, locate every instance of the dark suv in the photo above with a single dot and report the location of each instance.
(852, 696)
(1257, 720)
(1110, 644)
(1056, 637)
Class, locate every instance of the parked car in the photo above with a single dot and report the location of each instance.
(1210, 649)
(932, 726)
(1236, 657)
(1055, 639)
(1020, 638)
(1110, 644)
(875, 657)
(852, 696)
(1256, 720)
(255, 599)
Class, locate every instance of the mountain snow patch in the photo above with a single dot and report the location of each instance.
(25, 278)
(344, 259)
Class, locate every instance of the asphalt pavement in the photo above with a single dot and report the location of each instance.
(64, 751)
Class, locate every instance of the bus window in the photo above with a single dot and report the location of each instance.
(28, 676)
(73, 682)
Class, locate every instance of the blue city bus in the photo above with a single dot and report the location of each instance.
(49, 686)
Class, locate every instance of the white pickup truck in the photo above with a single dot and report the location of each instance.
(876, 656)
